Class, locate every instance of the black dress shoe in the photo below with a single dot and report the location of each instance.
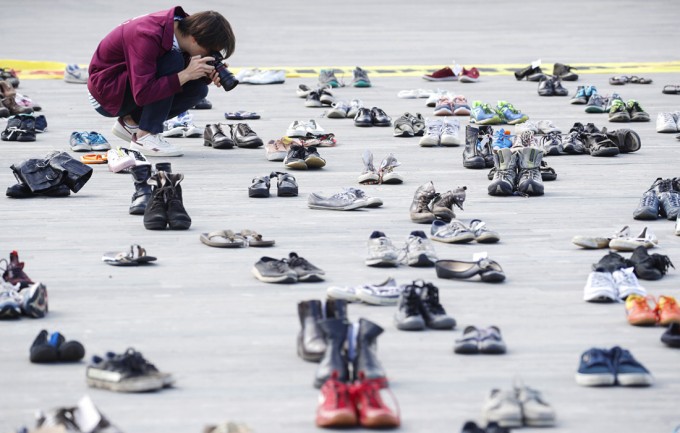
(203, 104)
(488, 270)
(214, 136)
(379, 118)
(363, 117)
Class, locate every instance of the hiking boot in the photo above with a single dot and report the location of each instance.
(336, 408)
(649, 206)
(596, 104)
(529, 180)
(419, 250)
(442, 204)
(505, 177)
(546, 87)
(420, 211)
(509, 114)
(14, 271)
(649, 267)
(618, 112)
(432, 311)
(156, 212)
(360, 78)
(381, 251)
(408, 316)
(552, 143)
(178, 219)
(482, 114)
(564, 72)
(669, 198)
(142, 194)
(244, 137)
(472, 156)
(636, 112)
(327, 78)
(311, 343)
(599, 144)
(214, 136)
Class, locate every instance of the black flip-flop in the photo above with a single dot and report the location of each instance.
(640, 80)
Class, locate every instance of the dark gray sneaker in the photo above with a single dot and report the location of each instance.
(648, 208)
(305, 271)
(432, 311)
(408, 316)
(271, 270)
(491, 341)
(668, 193)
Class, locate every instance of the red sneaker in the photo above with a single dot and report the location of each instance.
(444, 74)
(373, 412)
(335, 405)
(469, 76)
(14, 272)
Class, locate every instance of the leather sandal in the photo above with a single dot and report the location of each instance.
(224, 239)
(626, 140)
(488, 270)
(255, 239)
(136, 256)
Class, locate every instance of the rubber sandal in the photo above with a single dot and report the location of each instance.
(224, 239)
(94, 158)
(640, 80)
(671, 89)
(619, 80)
(242, 115)
(255, 239)
(547, 172)
(136, 256)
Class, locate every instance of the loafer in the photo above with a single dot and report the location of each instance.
(363, 117)
(379, 118)
(488, 270)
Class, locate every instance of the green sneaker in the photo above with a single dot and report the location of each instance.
(509, 114)
(618, 112)
(482, 114)
(636, 112)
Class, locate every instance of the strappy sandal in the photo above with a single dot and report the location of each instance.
(94, 158)
(626, 140)
(547, 172)
(255, 239)
(640, 80)
(619, 80)
(136, 256)
(224, 239)
(671, 89)
(488, 270)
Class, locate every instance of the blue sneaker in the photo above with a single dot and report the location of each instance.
(482, 114)
(580, 97)
(590, 91)
(502, 139)
(509, 114)
(596, 368)
(79, 142)
(629, 372)
(97, 141)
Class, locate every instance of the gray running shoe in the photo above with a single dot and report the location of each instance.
(648, 208)
(596, 104)
(271, 270)
(327, 78)
(453, 233)
(669, 198)
(372, 201)
(468, 344)
(381, 251)
(305, 271)
(419, 251)
(360, 78)
(491, 341)
(340, 201)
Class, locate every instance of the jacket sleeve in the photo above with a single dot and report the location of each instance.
(141, 56)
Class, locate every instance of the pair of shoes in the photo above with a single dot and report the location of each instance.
(448, 105)
(385, 174)
(521, 406)
(384, 293)
(418, 307)
(646, 266)
(441, 133)
(602, 367)
(612, 280)
(429, 205)
(154, 145)
(489, 271)
(240, 135)
(126, 372)
(166, 208)
(600, 143)
(409, 125)
(85, 417)
(668, 121)
(20, 127)
(286, 185)
(661, 199)
(504, 112)
(583, 95)
(486, 341)
(304, 129)
(623, 79)
(290, 270)
(349, 199)
(373, 117)
(181, 125)
(55, 349)
(630, 111)
(671, 337)
(203, 104)
(88, 141)
(619, 241)
(551, 86)
(311, 341)
(75, 74)
(15, 300)
(456, 232)
(418, 251)
(301, 158)
(532, 72)
(518, 169)
(665, 311)
(229, 239)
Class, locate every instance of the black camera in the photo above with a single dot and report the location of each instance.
(227, 79)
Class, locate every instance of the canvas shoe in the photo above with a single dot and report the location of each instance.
(408, 316)
(312, 127)
(371, 409)
(75, 74)
(666, 122)
(326, 97)
(386, 293)
(271, 270)
(469, 75)
(123, 131)
(276, 150)
(433, 131)
(339, 110)
(335, 406)
(461, 107)
(79, 143)
(482, 114)
(596, 368)
(418, 250)
(600, 287)
(305, 271)
(345, 200)
(360, 78)
(454, 232)
(97, 141)
(627, 283)
(371, 202)
(354, 106)
(443, 107)
(504, 408)
(450, 133)
(536, 412)
(154, 145)
(482, 233)
(491, 342)
(629, 372)
(431, 309)
(444, 74)
(638, 311)
(327, 78)
(313, 100)
(509, 114)
(381, 251)
(119, 160)
(121, 374)
(668, 310)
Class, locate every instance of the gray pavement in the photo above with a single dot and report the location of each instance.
(230, 339)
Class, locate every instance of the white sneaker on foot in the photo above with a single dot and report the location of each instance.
(123, 131)
(154, 145)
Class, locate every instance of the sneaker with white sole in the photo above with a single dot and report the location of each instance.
(625, 242)
(312, 127)
(154, 145)
(450, 134)
(627, 283)
(381, 251)
(600, 287)
(354, 106)
(339, 110)
(386, 293)
(433, 132)
(666, 122)
(297, 129)
(118, 160)
(123, 131)
(419, 251)
(98, 141)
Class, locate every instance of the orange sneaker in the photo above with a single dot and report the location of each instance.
(668, 310)
(638, 311)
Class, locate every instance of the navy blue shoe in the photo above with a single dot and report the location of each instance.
(629, 372)
(596, 368)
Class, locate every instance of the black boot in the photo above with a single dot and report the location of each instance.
(156, 212)
(366, 364)
(164, 166)
(178, 219)
(311, 343)
(142, 194)
(336, 309)
(335, 331)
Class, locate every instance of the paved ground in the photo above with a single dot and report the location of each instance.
(230, 339)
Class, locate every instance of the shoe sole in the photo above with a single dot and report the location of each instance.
(410, 326)
(427, 142)
(251, 144)
(351, 206)
(10, 312)
(39, 298)
(611, 151)
(381, 263)
(450, 140)
(363, 124)
(595, 379)
(313, 104)
(315, 162)
(377, 300)
(146, 384)
(310, 278)
(404, 133)
(281, 279)
(531, 189)
(600, 296)
(463, 239)
(425, 219)
(338, 293)
(466, 349)
(144, 152)
(287, 192)
(425, 77)
(348, 419)
(443, 112)
(296, 165)
(634, 379)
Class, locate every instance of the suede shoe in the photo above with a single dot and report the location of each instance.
(596, 368)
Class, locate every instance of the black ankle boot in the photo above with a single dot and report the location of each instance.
(156, 213)
(311, 343)
(336, 309)
(366, 362)
(142, 194)
(178, 219)
(164, 166)
(335, 331)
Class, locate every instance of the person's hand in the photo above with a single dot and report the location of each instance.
(198, 68)
(215, 77)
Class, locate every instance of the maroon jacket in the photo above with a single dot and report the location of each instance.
(129, 53)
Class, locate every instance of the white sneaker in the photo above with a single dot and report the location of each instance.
(381, 252)
(192, 131)
(172, 128)
(303, 91)
(296, 129)
(267, 77)
(313, 128)
(386, 293)
(450, 134)
(545, 127)
(123, 131)
(419, 250)
(244, 75)
(339, 110)
(676, 116)
(600, 287)
(75, 74)
(504, 408)
(154, 145)
(345, 293)
(677, 227)
(433, 130)
(436, 96)
(354, 106)
(627, 283)
(666, 122)
(415, 93)
(119, 160)
(526, 126)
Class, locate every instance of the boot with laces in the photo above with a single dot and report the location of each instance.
(142, 194)
(420, 211)
(505, 176)
(372, 411)
(432, 310)
(178, 219)
(336, 408)
(442, 204)
(156, 212)
(529, 179)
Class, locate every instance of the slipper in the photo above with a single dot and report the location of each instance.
(255, 239)
(639, 80)
(224, 239)
(94, 158)
(619, 80)
(136, 256)
(671, 89)
(242, 115)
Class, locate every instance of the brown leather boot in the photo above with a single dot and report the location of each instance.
(9, 99)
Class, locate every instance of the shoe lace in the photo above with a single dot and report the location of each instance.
(96, 138)
(412, 300)
(600, 279)
(434, 127)
(527, 139)
(668, 117)
(551, 139)
(450, 128)
(245, 129)
(661, 262)
(295, 261)
(388, 164)
(662, 185)
(618, 105)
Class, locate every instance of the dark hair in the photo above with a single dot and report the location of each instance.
(211, 31)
